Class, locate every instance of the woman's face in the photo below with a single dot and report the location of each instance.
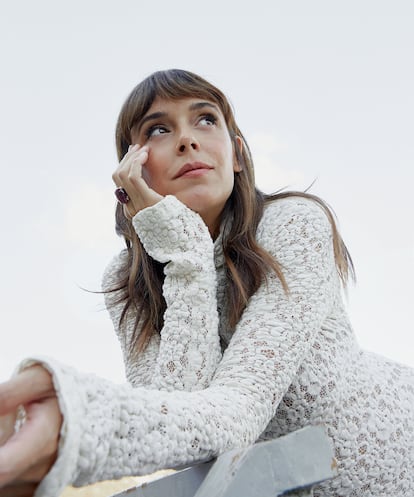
(190, 155)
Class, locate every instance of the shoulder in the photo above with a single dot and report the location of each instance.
(294, 219)
(289, 211)
(111, 274)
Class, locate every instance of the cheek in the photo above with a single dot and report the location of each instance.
(152, 171)
(229, 155)
(145, 176)
(152, 179)
(155, 178)
(230, 182)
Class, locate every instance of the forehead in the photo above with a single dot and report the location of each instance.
(180, 105)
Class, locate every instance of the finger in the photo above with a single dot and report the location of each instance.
(7, 423)
(29, 453)
(135, 160)
(140, 157)
(33, 383)
(137, 183)
(124, 164)
(19, 490)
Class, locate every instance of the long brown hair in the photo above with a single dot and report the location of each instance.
(247, 264)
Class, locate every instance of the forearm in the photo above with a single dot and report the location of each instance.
(113, 430)
(186, 353)
(189, 350)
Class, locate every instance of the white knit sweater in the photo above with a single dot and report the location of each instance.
(291, 361)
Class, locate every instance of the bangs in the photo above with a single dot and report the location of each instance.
(176, 84)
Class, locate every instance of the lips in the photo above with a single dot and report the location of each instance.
(191, 166)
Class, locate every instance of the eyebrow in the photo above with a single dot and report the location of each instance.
(159, 115)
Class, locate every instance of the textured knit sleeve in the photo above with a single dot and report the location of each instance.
(188, 351)
(277, 328)
(114, 430)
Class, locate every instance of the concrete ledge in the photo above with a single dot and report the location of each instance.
(288, 465)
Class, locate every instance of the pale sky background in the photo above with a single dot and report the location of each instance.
(322, 90)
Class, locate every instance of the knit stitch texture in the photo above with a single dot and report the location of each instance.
(201, 388)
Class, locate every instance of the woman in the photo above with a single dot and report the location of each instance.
(228, 307)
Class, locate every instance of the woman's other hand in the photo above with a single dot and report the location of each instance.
(27, 455)
(128, 175)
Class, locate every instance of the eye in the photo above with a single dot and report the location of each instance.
(155, 130)
(208, 120)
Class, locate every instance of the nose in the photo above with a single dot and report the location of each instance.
(186, 143)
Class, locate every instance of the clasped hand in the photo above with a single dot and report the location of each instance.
(27, 455)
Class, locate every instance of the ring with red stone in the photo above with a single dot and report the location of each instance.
(121, 195)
